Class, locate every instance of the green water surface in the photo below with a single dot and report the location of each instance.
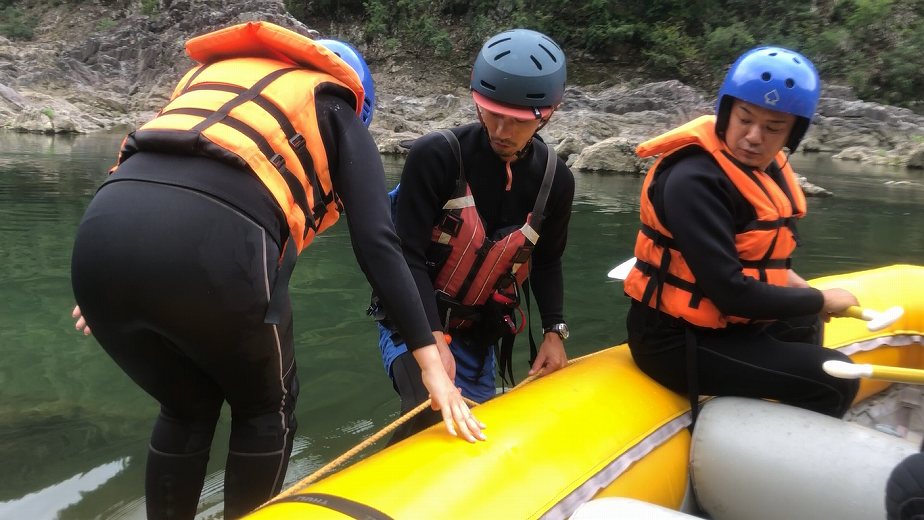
(74, 429)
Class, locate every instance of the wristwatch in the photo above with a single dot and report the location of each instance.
(559, 328)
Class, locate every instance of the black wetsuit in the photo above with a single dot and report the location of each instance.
(429, 180)
(173, 266)
(779, 359)
(904, 495)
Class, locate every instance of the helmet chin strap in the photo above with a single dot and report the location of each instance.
(523, 151)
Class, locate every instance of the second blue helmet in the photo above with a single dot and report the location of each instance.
(354, 59)
(774, 78)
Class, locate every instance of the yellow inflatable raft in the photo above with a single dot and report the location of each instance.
(597, 428)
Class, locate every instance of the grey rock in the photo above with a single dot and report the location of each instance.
(117, 66)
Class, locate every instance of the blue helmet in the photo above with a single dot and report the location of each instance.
(776, 79)
(354, 59)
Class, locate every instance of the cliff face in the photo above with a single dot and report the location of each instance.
(98, 65)
(94, 65)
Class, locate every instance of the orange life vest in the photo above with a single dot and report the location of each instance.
(661, 277)
(250, 101)
(477, 267)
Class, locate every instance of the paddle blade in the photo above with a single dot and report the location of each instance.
(846, 370)
(621, 271)
(875, 320)
(885, 318)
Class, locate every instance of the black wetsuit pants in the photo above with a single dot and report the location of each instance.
(780, 361)
(175, 285)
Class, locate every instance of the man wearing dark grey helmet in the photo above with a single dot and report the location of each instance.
(483, 207)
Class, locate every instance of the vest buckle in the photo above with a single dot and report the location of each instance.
(297, 141)
(451, 224)
(278, 161)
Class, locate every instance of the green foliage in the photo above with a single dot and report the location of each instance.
(877, 46)
(900, 76)
(377, 18)
(669, 50)
(724, 44)
(420, 24)
(150, 7)
(296, 8)
(105, 24)
(48, 112)
(16, 24)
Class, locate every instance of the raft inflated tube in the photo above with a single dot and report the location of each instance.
(755, 460)
(845, 370)
(598, 427)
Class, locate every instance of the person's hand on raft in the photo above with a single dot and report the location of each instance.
(446, 398)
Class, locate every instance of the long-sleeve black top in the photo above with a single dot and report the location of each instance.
(429, 180)
(358, 179)
(701, 207)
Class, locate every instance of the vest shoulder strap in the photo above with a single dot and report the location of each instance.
(537, 217)
(453, 141)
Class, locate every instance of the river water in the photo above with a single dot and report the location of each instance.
(74, 429)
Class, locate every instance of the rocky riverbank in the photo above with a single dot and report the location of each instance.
(96, 67)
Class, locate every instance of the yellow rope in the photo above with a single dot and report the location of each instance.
(352, 452)
(334, 464)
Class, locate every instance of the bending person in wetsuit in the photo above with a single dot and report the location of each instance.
(181, 263)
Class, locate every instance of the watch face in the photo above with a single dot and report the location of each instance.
(561, 329)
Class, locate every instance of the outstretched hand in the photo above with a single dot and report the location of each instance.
(81, 324)
(445, 397)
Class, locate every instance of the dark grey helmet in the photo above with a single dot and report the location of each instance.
(520, 67)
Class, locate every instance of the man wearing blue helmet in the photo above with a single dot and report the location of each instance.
(716, 306)
(181, 264)
(482, 207)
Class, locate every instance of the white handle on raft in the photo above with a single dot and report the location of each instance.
(875, 320)
(845, 370)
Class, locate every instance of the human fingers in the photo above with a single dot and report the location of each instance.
(469, 426)
(472, 421)
(556, 365)
(837, 300)
(794, 280)
(448, 421)
(538, 364)
(559, 358)
(82, 326)
(437, 404)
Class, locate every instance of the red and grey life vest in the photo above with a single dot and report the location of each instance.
(661, 277)
(250, 102)
(477, 267)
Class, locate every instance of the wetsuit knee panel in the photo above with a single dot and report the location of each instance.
(266, 432)
(176, 436)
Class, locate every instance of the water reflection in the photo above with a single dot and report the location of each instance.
(862, 182)
(53, 500)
